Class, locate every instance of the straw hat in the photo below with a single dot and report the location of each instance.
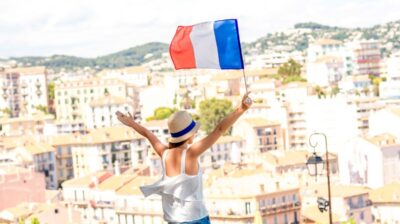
(181, 126)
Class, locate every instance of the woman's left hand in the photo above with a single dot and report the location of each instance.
(125, 119)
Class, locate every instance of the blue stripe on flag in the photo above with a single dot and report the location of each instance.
(228, 44)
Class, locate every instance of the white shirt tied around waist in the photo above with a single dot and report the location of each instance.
(182, 195)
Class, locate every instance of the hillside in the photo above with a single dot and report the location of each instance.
(293, 39)
(302, 34)
(129, 57)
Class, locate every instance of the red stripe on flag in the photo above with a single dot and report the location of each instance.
(181, 49)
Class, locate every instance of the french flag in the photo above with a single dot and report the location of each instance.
(207, 45)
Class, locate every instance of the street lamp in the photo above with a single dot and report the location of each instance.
(315, 166)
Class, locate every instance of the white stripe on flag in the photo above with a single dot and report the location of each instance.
(205, 45)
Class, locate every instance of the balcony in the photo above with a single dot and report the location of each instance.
(103, 204)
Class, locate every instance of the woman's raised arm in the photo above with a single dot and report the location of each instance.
(201, 146)
(127, 120)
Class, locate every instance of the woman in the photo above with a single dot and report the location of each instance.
(181, 186)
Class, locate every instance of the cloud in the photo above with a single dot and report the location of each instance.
(92, 28)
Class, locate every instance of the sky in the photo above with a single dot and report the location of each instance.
(90, 28)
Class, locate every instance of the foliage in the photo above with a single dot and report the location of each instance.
(212, 111)
(335, 90)
(320, 92)
(130, 57)
(162, 113)
(35, 221)
(6, 111)
(50, 90)
(350, 221)
(376, 81)
(42, 108)
(293, 79)
(290, 68)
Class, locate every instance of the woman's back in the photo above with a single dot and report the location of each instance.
(182, 192)
(174, 158)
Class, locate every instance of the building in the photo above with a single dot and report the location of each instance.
(32, 124)
(73, 97)
(370, 161)
(19, 185)
(391, 88)
(348, 202)
(365, 56)
(333, 117)
(23, 90)
(77, 192)
(326, 71)
(365, 106)
(134, 75)
(44, 160)
(102, 111)
(267, 199)
(385, 121)
(386, 203)
(226, 149)
(261, 135)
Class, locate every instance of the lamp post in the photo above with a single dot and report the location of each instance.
(315, 166)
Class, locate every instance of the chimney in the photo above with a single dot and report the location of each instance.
(117, 170)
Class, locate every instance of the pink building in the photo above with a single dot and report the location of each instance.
(18, 185)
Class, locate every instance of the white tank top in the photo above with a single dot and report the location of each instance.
(182, 195)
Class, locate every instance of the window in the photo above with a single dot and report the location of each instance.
(283, 199)
(275, 219)
(247, 206)
(59, 150)
(362, 215)
(285, 218)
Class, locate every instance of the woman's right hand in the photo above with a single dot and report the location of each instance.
(125, 119)
(246, 101)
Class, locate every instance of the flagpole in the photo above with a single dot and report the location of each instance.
(241, 54)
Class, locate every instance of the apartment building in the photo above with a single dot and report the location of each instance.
(384, 121)
(134, 75)
(365, 106)
(261, 135)
(226, 149)
(348, 202)
(73, 97)
(391, 88)
(102, 111)
(365, 56)
(32, 124)
(386, 203)
(370, 161)
(23, 89)
(326, 71)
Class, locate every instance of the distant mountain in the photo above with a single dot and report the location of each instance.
(297, 38)
(129, 57)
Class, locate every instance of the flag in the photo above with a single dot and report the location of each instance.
(207, 45)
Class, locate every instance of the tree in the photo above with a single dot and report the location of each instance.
(212, 111)
(289, 69)
(335, 90)
(365, 91)
(35, 221)
(162, 113)
(42, 108)
(6, 111)
(320, 92)
(50, 90)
